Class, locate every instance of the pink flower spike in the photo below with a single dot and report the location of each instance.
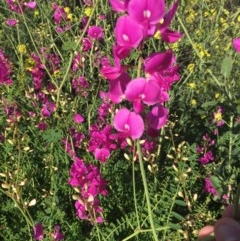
(236, 44)
(157, 117)
(11, 22)
(128, 32)
(77, 118)
(31, 5)
(38, 231)
(129, 123)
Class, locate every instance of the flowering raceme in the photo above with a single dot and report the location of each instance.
(39, 235)
(5, 69)
(88, 180)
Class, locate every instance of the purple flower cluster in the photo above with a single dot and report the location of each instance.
(206, 155)
(101, 142)
(38, 233)
(87, 179)
(139, 24)
(5, 69)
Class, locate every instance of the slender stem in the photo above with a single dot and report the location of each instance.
(134, 193)
(189, 38)
(28, 219)
(143, 231)
(150, 216)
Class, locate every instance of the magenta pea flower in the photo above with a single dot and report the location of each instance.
(102, 154)
(57, 235)
(112, 72)
(38, 231)
(168, 35)
(158, 62)
(119, 5)
(236, 44)
(11, 22)
(147, 13)
(118, 87)
(77, 118)
(128, 34)
(129, 123)
(95, 32)
(157, 117)
(209, 187)
(141, 90)
(31, 5)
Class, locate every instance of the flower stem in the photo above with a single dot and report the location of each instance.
(150, 216)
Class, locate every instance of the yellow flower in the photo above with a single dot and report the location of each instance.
(36, 13)
(217, 95)
(238, 18)
(29, 64)
(191, 67)
(193, 102)
(88, 11)
(157, 35)
(217, 116)
(67, 9)
(70, 16)
(22, 49)
(192, 85)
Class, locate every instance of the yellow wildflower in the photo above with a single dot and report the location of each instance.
(88, 11)
(22, 49)
(36, 13)
(217, 95)
(193, 102)
(192, 85)
(29, 64)
(191, 67)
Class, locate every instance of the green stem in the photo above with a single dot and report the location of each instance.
(134, 193)
(230, 141)
(143, 231)
(28, 219)
(150, 216)
(189, 38)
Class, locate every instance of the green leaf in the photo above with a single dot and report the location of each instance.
(226, 67)
(180, 203)
(174, 226)
(178, 216)
(209, 104)
(216, 182)
(52, 135)
(69, 45)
